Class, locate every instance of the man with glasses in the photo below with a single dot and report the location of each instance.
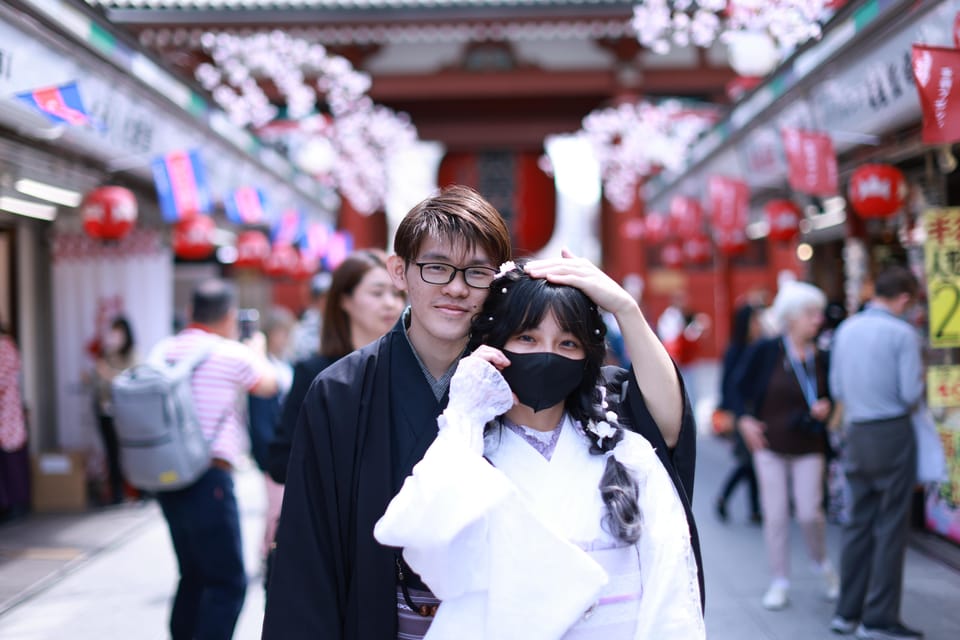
(367, 420)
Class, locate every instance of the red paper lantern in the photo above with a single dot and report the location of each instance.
(731, 241)
(193, 238)
(282, 262)
(253, 247)
(109, 213)
(307, 266)
(696, 249)
(783, 220)
(633, 229)
(672, 254)
(877, 190)
(686, 217)
(655, 228)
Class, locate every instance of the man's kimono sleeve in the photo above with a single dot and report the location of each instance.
(307, 589)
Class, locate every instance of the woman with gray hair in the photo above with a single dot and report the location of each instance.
(781, 402)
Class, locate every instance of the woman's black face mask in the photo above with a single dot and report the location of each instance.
(542, 380)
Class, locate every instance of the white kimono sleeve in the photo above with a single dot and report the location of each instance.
(499, 571)
(670, 606)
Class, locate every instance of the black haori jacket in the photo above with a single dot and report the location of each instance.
(366, 421)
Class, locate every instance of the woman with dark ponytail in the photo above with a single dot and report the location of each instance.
(541, 510)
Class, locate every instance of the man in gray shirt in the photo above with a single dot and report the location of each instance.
(876, 372)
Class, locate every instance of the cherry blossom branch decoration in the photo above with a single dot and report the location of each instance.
(347, 148)
(662, 24)
(635, 140)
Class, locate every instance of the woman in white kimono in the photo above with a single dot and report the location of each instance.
(535, 514)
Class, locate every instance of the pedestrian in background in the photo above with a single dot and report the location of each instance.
(203, 518)
(746, 329)
(263, 413)
(306, 335)
(362, 305)
(782, 404)
(877, 373)
(117, 352)
(14, 453)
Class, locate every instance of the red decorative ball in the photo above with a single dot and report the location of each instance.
(672, 254)
(193, 238)
(655, 228)
(696, 249)
(307, 267)
(731, 241)
(282, 262)
(877, 190)
(783, 220)
(109, 213)
(686, 216)
(253, 247)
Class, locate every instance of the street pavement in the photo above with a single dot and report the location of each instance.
(110, 573)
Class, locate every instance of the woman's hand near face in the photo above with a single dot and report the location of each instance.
(492, 355)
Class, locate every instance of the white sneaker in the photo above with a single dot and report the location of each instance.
(831, 582)
(777, 595)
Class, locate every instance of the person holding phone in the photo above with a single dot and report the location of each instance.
(542, 510)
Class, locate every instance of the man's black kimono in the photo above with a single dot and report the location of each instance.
(366, 421)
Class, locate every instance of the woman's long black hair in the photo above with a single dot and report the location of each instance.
(517, 303)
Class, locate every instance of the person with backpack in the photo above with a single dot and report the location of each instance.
(203, 517)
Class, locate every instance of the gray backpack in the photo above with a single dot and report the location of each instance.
(162, 447)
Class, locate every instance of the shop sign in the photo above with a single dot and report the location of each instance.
(943, 385)
(762, 158)
(873, 93)
(942, 260)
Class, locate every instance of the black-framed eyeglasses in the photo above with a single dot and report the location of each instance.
(442, 273)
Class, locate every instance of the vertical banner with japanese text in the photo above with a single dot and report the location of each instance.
(811, 162)
(942, 260)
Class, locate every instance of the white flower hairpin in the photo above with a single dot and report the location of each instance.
(507, 266)
(603, 429)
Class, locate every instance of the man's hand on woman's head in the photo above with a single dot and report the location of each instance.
(578, 272)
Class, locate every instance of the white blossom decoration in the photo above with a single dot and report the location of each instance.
(662, 24)
(602, 430)
(635, 140)
(347, 149)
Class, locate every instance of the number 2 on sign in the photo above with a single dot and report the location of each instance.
(944, 321)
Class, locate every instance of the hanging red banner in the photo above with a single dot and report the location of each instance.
(686, 216)
(729, 202)
(811, 162)
(936, 70)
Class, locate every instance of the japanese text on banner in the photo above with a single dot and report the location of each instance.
(943, 385)
(942, 257)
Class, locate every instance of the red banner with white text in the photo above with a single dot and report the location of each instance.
(729, 202)
(936, 71)
(811, 162)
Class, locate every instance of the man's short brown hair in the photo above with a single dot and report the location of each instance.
(457, 214)
(895, 280)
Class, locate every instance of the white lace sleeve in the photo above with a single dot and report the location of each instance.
(478, 394)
